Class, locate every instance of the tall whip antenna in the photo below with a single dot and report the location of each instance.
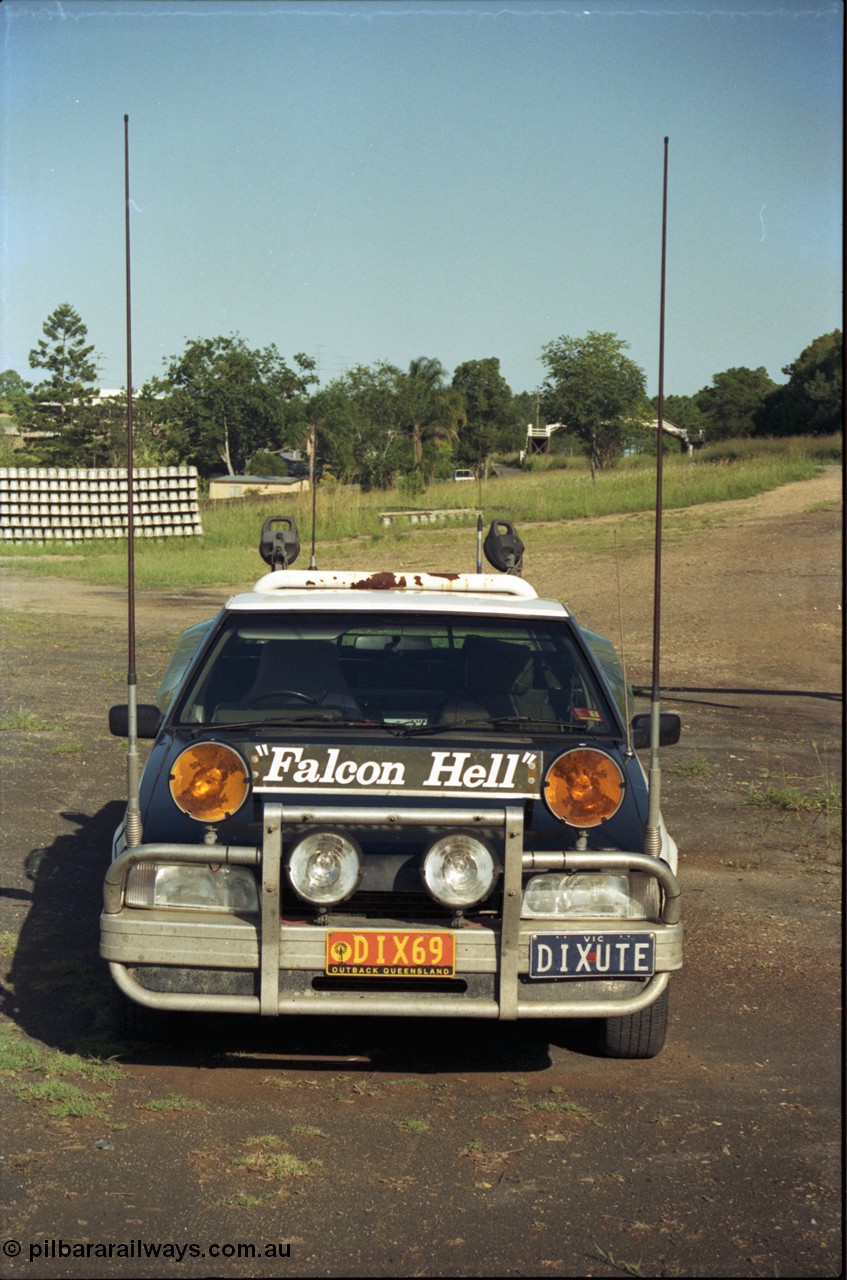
(627, 709)
(652, 834)
(133, 808)
(313, 564)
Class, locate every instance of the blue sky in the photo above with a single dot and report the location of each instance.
(381, 181)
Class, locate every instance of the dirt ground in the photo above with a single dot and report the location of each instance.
(382, 1147)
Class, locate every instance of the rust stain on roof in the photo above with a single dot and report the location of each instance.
(379, 582)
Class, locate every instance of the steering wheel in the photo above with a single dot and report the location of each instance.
(271, 698)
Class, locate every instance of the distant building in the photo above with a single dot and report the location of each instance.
(688, 441)
(256, 486)
(538, 437)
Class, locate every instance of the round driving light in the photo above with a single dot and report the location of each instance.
(209, 782)
(584, 787)
(459, 870)
(324, 867)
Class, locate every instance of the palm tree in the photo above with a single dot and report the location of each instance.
(428, 406)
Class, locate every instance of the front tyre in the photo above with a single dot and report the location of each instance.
(638, 1035)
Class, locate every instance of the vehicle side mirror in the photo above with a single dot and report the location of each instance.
(148, 719)
(670, 727)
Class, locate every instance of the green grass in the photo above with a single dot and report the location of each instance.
(18, 1055)
(820, 794)
(823, 449)
(173, 1103)
(413, 1125)
(791, 798)
(552, 1104)
(810, 806)
(22, 719)
(694, 768)
(29, 626)
(628, 1268)
(226, 554)
(278, 1082)
(66, 1099)
(33, 1073)
(271, 1164)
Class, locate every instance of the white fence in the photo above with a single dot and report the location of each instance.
(49, 504)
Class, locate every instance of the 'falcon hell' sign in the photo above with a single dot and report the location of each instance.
(386, 771)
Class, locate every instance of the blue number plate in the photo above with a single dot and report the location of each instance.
(592, 955)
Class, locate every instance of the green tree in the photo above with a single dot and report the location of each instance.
(594, 389)
(682, 411)
(150, 447)
(15, 412)
(264, 463)
(731, 403)
(429, 410)
(488, 417)
(526, 409)
(811, 402)
(679, 411)
(222, 401)
(362, 431)
(63, 401)
(15, 399)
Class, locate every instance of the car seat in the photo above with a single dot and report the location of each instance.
(495, 674)
(292, 674)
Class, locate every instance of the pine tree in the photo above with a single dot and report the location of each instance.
(63, 400)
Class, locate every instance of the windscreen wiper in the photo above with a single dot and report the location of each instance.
(312, 720)
(528, 723)
(473, 722)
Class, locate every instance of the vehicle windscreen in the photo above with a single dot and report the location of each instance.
(427, 674)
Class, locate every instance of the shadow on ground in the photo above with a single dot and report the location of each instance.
(59, 992)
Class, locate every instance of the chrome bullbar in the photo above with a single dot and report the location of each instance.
(283, 958)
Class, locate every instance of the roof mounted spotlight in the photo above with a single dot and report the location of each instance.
(279, 547)
(503, 547)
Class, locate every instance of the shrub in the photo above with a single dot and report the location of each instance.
(266, 464)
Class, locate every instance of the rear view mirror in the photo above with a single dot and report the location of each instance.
(670, 727)
(148, 715)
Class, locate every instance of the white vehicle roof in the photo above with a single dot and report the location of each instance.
(376, 592)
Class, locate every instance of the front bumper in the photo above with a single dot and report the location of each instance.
(194, 961)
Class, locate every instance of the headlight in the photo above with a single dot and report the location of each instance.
(584, 787)
(594, 894)
(209, 782)
(191, 886)
(324, 867)
(459, 870)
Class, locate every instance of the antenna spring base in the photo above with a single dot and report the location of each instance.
(132, 828)
(653, 842)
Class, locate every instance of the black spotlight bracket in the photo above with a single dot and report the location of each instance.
(503, 547)
(279, 546)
